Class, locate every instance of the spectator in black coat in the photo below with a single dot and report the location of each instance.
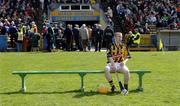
(108, 36)
(77, 37)
(49, 38)
(68, 34)
(13, 35)
(98, 39)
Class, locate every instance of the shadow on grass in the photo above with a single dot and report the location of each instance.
(78, 95)
(92, 93)
(135, 91)
(29, 93)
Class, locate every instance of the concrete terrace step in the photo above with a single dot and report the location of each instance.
(11, 49)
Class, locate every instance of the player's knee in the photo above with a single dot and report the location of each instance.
(127, 74)
(126, 71)
(107, 69)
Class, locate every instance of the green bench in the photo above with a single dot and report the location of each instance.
(82, 73)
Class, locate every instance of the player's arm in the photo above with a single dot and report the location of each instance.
(125, 61)
(110, 59)
(126, 55)
(113, 67)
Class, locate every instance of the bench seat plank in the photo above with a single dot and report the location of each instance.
(69, 72)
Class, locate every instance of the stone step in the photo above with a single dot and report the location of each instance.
(11, 49)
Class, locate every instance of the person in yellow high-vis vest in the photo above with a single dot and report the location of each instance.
(20, 40)
(134, 39)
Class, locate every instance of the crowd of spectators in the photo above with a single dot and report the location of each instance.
(141, 13)
(73, 1)
(19, 18)
(75, 37)
(18, 21)
(29, 10)
(26, 10)
(55, 36)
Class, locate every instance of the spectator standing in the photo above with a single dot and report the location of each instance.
(109, 12)
(108, 36)
(84, 36)
(121, 11)
(49, 38)
(56, 31)
(35, 42)
(13, 33)
(94, 32)
(19, 42)
(2, 29)
(68, 34)
(77, 37)
(98, 39)
(90, 37)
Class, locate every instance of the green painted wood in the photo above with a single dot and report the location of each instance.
(71, 72)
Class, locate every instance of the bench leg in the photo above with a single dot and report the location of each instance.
(140, 88)
(23, 84)
(82, 81)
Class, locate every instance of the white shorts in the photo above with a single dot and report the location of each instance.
(119, 67)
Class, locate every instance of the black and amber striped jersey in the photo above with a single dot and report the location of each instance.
(118, 53)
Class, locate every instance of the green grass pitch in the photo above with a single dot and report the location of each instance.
(161, 87)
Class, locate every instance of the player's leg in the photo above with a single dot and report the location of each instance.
(119, 81)
(109, 77)
(125, 71)
(126, 76)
